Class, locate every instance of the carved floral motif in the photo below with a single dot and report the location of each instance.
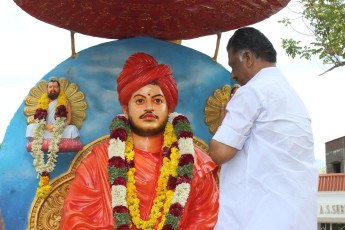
(213, 106)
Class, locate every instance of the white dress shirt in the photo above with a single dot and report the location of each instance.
(271, 182)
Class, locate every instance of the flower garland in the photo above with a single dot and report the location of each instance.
(40, 120)
(174, 181)
(168, 169)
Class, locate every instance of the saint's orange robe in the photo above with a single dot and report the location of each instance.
(88, 203)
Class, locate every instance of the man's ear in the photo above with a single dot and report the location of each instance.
(248, 58)
(125, 110)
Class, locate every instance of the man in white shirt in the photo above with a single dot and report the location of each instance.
(269, 178)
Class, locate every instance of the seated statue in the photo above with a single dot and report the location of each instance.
(51, 105)
(53, 92)
(149, 175)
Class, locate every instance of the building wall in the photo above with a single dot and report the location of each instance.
(330, 226)
(331, 207)
(335, 155)
(331, 195)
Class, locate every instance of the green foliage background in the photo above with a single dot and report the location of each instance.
(325, 20)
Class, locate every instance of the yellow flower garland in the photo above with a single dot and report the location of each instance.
(62, 100)
(163, 196)
(44, 189)
(166, 207)
(43, 102)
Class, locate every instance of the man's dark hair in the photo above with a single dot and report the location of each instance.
(54, 80)
(248, 38)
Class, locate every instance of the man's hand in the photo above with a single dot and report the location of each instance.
(50, 127)
(223, 110)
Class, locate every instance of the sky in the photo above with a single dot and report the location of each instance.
(29, 49)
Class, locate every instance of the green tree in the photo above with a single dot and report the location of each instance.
(325, 20)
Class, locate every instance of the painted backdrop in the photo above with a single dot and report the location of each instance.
(95, 71)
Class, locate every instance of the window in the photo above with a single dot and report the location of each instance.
(336, 167)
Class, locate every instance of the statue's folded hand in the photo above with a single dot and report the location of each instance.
(49, 127)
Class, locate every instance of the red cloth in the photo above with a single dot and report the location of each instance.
(66, 145)
(142, 69)
(88, 203)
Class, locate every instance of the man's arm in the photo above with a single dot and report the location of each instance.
(221, 153)
(236, 121)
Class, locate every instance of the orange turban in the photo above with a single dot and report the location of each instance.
(142, 69)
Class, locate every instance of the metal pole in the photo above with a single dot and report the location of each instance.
(219, 35)
(74, 54)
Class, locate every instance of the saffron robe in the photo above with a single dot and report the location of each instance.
(88, 202)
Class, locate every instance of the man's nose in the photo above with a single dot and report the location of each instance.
(232, 76)
(149, 106)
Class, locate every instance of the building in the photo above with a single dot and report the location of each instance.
(335, 156)
(331, 190)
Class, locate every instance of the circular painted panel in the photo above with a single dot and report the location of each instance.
(95, 71)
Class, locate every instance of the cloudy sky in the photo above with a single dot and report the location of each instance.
(29, 49)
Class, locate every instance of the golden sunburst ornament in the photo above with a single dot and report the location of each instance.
(214, 105)
(75, 97)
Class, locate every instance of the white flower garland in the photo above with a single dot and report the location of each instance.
(36, 148)
(186, 146)
(117, 148)
(118, 194)
(172, 116)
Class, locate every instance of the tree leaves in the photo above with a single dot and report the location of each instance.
(326, 22)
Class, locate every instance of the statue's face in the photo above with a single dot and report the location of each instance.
(53, 90)
(147, 111)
